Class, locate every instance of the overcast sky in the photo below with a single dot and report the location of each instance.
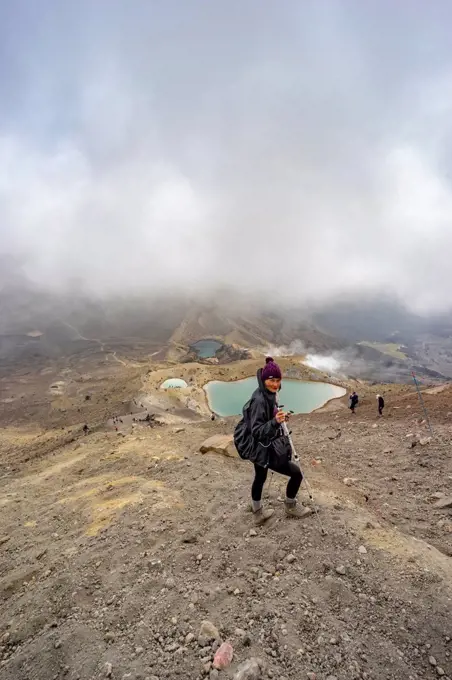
(298, 146)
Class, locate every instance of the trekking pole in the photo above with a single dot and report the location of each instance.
(305, 481)
(422, 403)
(269, 485)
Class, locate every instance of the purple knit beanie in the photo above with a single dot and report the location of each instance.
(271, 370)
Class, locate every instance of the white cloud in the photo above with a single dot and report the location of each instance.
(303, 157)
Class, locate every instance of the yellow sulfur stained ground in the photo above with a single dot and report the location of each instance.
(106, 496)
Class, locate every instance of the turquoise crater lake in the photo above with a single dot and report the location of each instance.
(228, 398)
(206, 349)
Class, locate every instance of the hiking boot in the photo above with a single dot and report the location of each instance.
(262, 515)
(297, 511)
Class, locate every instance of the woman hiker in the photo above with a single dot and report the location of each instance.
(259, 437)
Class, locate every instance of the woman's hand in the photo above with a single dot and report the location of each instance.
(280, 416)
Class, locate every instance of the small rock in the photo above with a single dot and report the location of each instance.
(223, 656)
(251, 669)
(311, 676)
(252, 532)
(362, 550)
(444, 502)
(341, 570)
(374, 426)
(189, 638)
(208, 631)
(189, 538)
(108, 669)
(57, 644)
(387, 450)
(4, 539)
(432, 660)
(109, 637)
(439, 670)
(155, 565)
(333, 434)
(220, 443)
(237, 591)
(423, 441)
(349, 481)
(290, 558)
(139, 650)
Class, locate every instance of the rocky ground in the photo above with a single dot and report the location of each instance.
(130, 555)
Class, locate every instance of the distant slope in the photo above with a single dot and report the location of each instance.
(251, 328)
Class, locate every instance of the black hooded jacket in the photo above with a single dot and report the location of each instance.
(256, 432)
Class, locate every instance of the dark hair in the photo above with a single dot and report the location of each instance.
(268, 360)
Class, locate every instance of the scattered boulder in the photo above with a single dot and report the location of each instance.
(220, 443)
(423, 441)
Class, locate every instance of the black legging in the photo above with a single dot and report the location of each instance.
(289, 470)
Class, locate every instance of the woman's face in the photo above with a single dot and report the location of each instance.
(273, 384)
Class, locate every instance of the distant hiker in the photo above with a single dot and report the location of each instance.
(212, 417)
(353, 401)
(381, 404)
(85, 429)
(259, 438)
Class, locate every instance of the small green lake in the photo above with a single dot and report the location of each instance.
(206, 349)
(228, 398)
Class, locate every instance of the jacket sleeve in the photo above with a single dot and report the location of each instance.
(262, 429)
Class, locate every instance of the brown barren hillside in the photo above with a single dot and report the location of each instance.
(118, 546)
